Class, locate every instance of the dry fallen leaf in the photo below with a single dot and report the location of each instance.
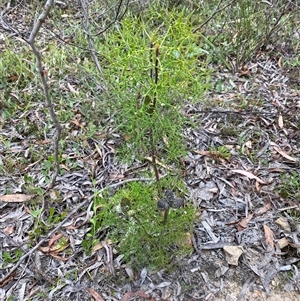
(249, 143)
(138, 293)
(115, 177)
(249, 175)
(54, 246)
(264, 209)
(54, 239)
(284, 154)
(258, 188)
(203, 153)
(6, 280)
(269, 235)
(16, 198)
(95, 295)
(59, 257)
(9, 230)
(244, 222)
(99, 245)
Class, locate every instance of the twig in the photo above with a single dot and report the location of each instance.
(274, 27)
(154, 77)
(116, 17)
(31, 41)
(85, 8)
(217, 10)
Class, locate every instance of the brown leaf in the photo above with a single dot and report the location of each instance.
(42, 142)
(284, 154)
(99, 245)
(77, 123)
(53, 245)
(127, 137)
(244, 222)
(6, 280)
(138, 293)
(264, 209)
(258, 188)
(95, 294)
(9, 230)
(269, 235)
(59, 257)
(16, 198)
(54, 239)
(115, 177)
(249, 175)
(203, 153)
(159, 163)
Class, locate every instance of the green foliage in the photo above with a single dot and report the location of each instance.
(152, 65)
(44, 219)
(237, 32)
(16, 73)
(291, 186)
(220, 152)
(15, 68)
(290, 189)
(11, 257)
(136, 227)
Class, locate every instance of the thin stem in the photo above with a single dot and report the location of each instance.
(150, 59)
(31, 41)
(166, 214)
(154, 164)
(156, 72)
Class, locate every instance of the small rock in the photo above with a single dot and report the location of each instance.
(283, 224)
(233, 254)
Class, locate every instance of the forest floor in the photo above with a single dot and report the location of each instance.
(241, 171)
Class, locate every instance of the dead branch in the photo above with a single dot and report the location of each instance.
(85, 7)
(217, 10)
(31, 41)
(118, 16)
